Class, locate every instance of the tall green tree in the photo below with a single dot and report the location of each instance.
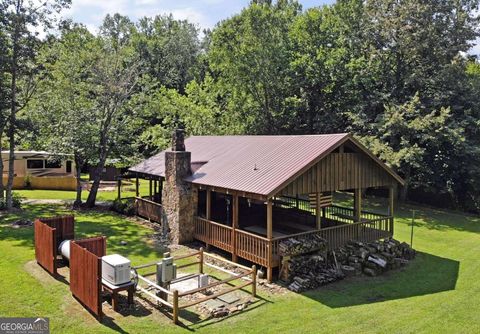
(413, 51)
(63, 107)
(19, 20)
(169, 50)
(115, 74)
(249, 56)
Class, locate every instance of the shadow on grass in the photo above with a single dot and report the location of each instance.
(427, 274)
(88, 223)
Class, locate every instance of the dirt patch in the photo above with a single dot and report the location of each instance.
(35, 270)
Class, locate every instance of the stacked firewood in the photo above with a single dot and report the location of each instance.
(309, 271)
(375, 257)
(315, 278)
(302, 245)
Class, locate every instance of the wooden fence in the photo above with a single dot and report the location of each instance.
(45, 246)
(86, 272)
(64, 226)
(148, 209)
(175, 297)
(48, 234)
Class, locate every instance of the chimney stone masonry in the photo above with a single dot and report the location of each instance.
(178, 195)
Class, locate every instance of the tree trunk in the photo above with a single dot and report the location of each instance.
(13, 113)
(2, 187)
(97, 172)
(78, 176)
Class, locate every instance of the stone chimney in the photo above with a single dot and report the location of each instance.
(177, 195)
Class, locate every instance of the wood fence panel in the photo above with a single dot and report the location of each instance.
(86, 272)
(64, 226)
(45, 246)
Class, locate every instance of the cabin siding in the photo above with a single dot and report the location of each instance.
(340, 171)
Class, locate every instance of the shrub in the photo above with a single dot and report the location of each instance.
(124, 207)
(27, 182)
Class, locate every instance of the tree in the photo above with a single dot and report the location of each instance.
(249, 56)
(323, 63)
(19, 19)
(115, 75)
(169, 50)
(407, 132)
(167, 109)
(63, 107)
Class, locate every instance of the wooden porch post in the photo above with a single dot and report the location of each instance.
(318, 209)
(208, 211)
(160, 189)
(391, 199)
(137, 186)
(234, 227)
(269, 237)
(357, 204)
(150, 189)
(154, 187)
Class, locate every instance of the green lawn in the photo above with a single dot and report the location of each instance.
(436, 293)
(127, 191)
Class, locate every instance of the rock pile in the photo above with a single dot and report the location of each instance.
(302, 245)
(309, 271)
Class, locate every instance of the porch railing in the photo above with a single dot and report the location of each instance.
(213, 233)
(347, 215)
(148, 209)
(256, 248)
(253, 247)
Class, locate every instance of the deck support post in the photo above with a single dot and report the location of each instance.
(357, 204)
(208, 209)
(269, 237)
(234, 227)
(150, 189)
(318, 211)
(160, 190)
(137, 186)
(391, 200)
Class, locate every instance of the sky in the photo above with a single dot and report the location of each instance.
(205, 13)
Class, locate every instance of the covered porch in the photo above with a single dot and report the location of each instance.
(149, 205)
(252, 228)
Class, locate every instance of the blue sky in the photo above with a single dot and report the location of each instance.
(205, 13)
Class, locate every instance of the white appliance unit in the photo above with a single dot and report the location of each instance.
(116, 269)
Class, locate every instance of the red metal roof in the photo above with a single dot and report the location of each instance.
(254, 164)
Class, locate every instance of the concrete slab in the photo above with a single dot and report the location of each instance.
(186, 285)
(213, 304)
(229, 298)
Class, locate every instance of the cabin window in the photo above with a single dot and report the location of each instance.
(53, 164)
(34, 164)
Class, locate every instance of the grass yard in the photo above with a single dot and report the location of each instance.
(127, 191)
(437, 293)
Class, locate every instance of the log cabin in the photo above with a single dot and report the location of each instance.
(245, 194)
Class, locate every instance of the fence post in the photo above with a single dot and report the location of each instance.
(254, 281)
(175, 306)
(200, 265)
